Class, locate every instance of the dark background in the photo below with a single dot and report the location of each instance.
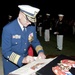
(53, 7)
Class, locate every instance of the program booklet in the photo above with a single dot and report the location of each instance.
(32, 68)
(62, 65)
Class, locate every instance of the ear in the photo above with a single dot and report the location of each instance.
(20, 15)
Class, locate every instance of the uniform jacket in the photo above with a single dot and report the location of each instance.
(60, 27)
(15, 45)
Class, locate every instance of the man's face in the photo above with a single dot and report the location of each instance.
(23, 19)
(60, 18)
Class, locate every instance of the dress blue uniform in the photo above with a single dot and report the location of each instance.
(15, 43)
(60, 29)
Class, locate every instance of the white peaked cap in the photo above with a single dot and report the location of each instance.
(47, 14)
(29, 10)
(60, 15)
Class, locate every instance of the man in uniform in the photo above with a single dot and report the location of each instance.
(46, 24)
(40, 19)
(60, 31)
(17, 36)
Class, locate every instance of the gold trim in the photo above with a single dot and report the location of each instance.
(14, 58)
(31, 19)
(38, 48)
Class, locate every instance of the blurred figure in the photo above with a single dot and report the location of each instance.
(9, 18)
(74, 28)
(40, 25)
(60, 32)
(46, 25)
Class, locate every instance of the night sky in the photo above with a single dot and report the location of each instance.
(46, 6)
(53, 7)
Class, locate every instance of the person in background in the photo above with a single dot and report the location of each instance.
(17, 36)
(40, 25)
(46, 25)
(73, 27)
(60, 25)
(10, 18)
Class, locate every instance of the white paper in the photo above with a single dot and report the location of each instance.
(27, 70)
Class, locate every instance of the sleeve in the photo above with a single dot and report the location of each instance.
(7, 51)
(36, 43)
